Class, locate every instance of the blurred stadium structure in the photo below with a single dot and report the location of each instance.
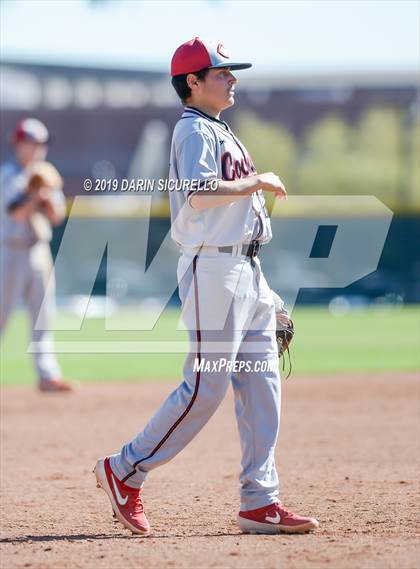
(330, 135)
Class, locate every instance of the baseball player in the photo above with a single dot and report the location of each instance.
(31, 200)
(220, 221)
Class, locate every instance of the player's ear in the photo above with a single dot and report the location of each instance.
(192, 81)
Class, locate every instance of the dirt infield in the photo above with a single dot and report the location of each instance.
(348, 454)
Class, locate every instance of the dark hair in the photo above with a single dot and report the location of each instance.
(179, 83)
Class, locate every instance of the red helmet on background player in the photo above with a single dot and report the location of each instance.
(31, 130)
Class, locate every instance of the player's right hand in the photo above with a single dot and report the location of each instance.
(270, 182)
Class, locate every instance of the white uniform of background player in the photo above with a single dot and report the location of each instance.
(25, 256)
(227, 305)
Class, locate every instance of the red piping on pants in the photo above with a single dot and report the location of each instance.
(197, 379)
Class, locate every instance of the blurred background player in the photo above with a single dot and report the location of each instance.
(27, 215)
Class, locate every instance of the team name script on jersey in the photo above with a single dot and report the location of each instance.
(233, 169)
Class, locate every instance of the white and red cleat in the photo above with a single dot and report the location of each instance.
(54, 385)
(126, 502)
(274, 518)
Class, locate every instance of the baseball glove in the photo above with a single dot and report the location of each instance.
(285, 330)
(43, 175)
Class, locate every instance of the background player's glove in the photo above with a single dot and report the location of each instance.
(43, 176)
(284, 328)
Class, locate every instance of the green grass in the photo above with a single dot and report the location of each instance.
(360, 341)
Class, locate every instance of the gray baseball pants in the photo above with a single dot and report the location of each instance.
(228, 310)
(24, 274)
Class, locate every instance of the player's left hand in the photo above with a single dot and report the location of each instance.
(283, 319)
(43, 176)
(284, 326)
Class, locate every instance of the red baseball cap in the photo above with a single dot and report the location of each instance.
(196, 54)
(32, 130)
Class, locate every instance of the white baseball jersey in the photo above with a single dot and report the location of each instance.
(13, 182)
(205, 149)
